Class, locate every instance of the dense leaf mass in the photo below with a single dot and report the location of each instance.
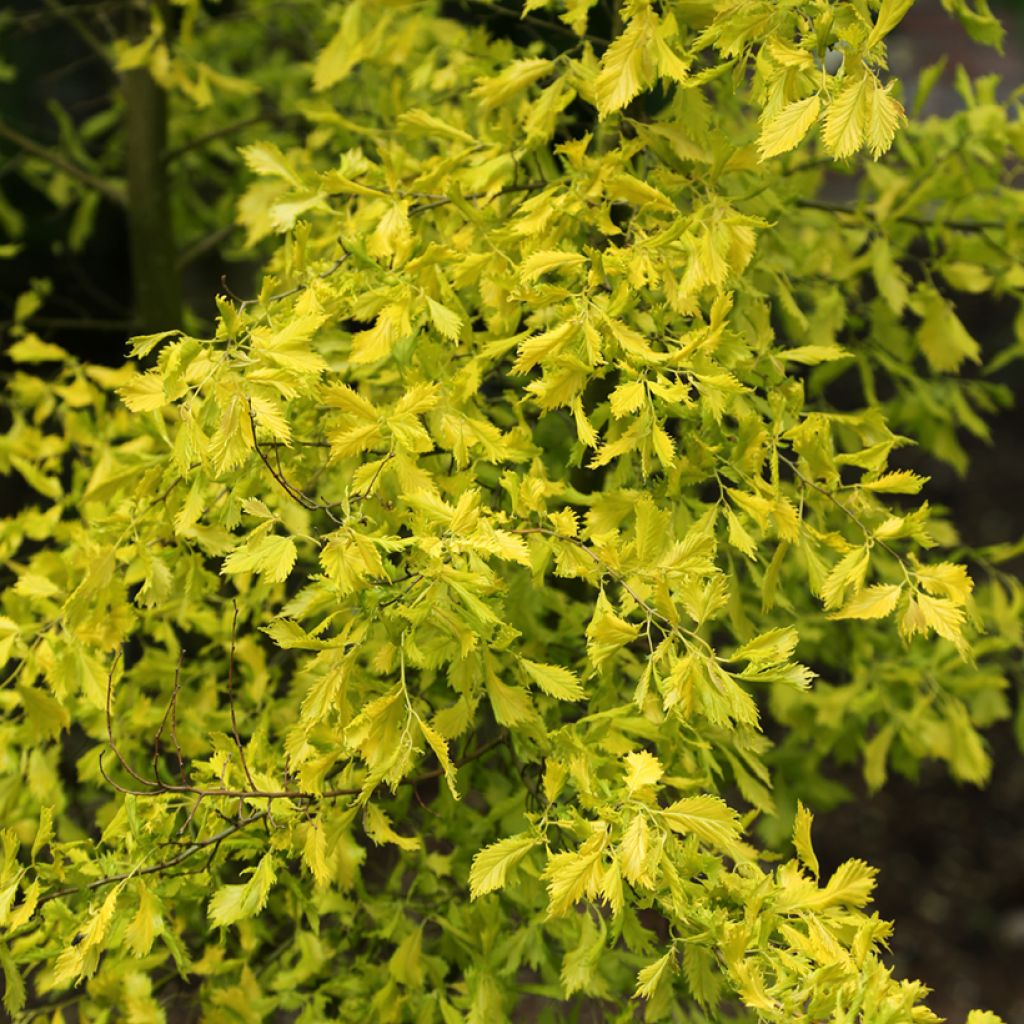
(403, 649)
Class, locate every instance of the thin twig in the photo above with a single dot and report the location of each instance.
(278, 474)
(807, 482)
(163, 721)
(231, 698)
(153, 869)
(160, 788)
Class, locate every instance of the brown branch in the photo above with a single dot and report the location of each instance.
(531, 186)
(111, 191)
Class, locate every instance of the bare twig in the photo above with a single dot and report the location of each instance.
(231, 698)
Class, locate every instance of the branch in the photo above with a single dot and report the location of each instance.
(231, 697)
(71, 17)
(549, 26)
(218, 133)
(189, 850)
(160, 788)
(530, 186)
(921, 222)
(112, 192)
(202, 245)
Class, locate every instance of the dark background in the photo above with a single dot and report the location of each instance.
(951, 857)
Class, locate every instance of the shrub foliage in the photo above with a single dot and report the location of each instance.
(462, 629)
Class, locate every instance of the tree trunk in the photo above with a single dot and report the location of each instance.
(156, 286)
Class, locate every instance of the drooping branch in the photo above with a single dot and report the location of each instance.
(156, 787)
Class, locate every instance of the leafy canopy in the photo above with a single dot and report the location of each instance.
(403, 648)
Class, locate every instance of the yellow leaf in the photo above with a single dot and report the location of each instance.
(874, 602)
(271, 556)
(707, 817)
(628, 398)
(812, 355)
(266, 159)
(511, 704)
(145, 393)
(446, 322)
(890, 14)
(846, 118)
(770, 648)
(492, 864)
(314, 852)
(607, 632)
(634, 848)
(946, 579)
(899, 481)
(542, 346)
(440, 747)
(847, 573)
(146, 925)
(642, 769)
(785, 129)
(942, 337)
(649, 977)
(378, 828)
(539, 263)
(885, 114)
(233, 903)
(511, 80)
(575, 874)
(627, 65)
(943, 616)
(802, 838)
(554, 680)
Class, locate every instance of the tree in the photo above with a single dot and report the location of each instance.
(406, 648)
(181, 86)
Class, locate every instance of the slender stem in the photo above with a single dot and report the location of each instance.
(852, 516)
(231, 698)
